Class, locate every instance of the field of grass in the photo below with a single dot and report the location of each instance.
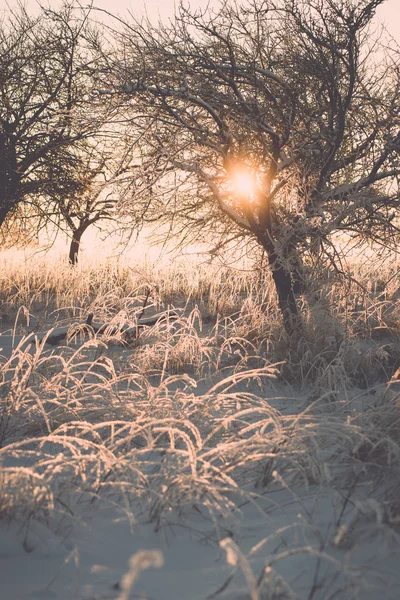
(272, 463)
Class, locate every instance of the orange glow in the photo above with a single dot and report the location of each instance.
(244, 183)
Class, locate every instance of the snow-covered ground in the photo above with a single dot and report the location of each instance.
(181, 466)
(290, 543)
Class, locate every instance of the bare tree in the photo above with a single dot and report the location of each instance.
(103, 177)
(276, 119)
(46, 108)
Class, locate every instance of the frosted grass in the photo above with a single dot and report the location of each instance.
(206, 416)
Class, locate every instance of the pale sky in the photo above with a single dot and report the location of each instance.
(388, 13)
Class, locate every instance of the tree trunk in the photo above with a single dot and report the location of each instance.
(286, 299)
(4, 212)
(284, 288)
(74, 247)
(9, 178)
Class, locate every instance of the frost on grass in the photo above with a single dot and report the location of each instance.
(137, 563)
(213, 422)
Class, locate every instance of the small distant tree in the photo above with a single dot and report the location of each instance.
(276, 120)
(102, 178)
(46, 108)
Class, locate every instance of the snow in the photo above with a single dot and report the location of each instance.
(88, 560)
(306, 520)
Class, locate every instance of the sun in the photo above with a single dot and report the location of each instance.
(244, 183)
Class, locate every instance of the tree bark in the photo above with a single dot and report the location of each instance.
(9, 178)
(284, 288)
(74, 246)
(286, 299)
